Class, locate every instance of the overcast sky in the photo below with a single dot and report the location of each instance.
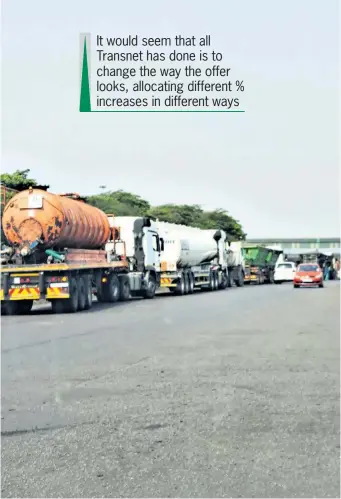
(275, 167)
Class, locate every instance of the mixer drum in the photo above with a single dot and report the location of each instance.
(56, 221)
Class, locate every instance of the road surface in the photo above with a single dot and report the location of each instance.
(233, 393)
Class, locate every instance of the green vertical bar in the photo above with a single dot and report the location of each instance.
(85, 101)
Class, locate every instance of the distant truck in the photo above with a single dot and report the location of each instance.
(260, 263)
(195, 258)
(65, 251)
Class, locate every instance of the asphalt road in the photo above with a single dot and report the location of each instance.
(226, 394)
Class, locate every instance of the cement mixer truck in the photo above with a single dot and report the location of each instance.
(63, 250)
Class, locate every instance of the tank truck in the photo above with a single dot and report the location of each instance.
(193, 258)
(63, 250)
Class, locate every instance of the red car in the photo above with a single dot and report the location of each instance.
(308, 275)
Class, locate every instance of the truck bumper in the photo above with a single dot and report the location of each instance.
(22, 293)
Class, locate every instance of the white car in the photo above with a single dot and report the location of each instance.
(284, 272)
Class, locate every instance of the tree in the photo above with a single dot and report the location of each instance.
(220, 219)
(123, 203)
(195, 216)
(120, 203)
(18, 180)
(177, 214)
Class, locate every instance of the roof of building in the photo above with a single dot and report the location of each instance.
(294, 239)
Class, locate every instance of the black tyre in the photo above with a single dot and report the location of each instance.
(191, 283)
(321, 285)
(57, 306)
(124, 288)
(24, 307)
(17, 307)
(230, 279)
(81, 293)
(88, 292)
(180, 287)
(224, 281)
(70, 305)
(212, 282)
(216, 280)
(186, 283)
(296, 286)
(240, 278)
(111, 290)
(149, 293)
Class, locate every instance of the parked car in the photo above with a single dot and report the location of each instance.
(308, 275)
(284, 272)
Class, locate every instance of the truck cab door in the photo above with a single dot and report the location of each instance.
(152, 250)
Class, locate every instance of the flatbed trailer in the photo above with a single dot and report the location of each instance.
(68, 286)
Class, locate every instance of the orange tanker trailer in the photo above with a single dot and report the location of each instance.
(57, 252)
(39, 219)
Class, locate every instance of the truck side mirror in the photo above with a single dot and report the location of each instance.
(162, 244)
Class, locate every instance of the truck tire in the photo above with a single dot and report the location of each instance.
(149, 293)
(81, 293)
(224, 281)
(111, 290)
(124, 288)
(240, 278)
(216, 280)
(211, 286)
(67, 305)
(191, 283)
(70, 305)
(88, 292)
(17, 307)
(24, 307)
(186, 283)
(10, 308)
(180, 286)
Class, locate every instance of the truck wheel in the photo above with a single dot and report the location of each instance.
(112, 289)
(10, 308)
(240, 279)
(186, 283)
(216, 280)
(180, 287)
(191, 283)
(223, 284)
(17, 307)
(57, 306)
(211, 286)
(88, 292)
(70, 305)
(24, 307)
(124, 288)
(149, 293)
(81, 293)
